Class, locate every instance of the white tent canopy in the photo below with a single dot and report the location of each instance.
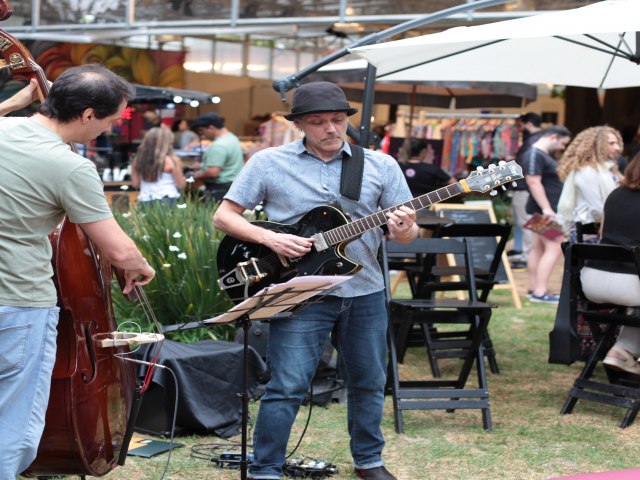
(592, 46)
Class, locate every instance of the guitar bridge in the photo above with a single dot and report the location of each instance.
(244, 273)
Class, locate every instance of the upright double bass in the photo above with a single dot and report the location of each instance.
(92, 386)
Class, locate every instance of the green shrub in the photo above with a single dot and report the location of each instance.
(181, 244)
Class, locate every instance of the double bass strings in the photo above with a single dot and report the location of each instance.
(151, 366)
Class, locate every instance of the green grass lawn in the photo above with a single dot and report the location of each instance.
(530, 439)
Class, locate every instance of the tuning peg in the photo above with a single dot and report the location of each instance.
(502, 163)
(503, 187)
(514, 184)
(480, 169)
(493, 193)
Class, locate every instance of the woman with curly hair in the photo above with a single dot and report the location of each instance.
(589, 171)
(156, 169)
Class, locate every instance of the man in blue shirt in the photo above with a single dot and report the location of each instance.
(290, 180)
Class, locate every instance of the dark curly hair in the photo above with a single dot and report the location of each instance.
(86, 86)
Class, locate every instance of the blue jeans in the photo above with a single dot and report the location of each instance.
(358, 327)
(27, 356)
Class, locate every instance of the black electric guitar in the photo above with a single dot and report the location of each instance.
(245, 268)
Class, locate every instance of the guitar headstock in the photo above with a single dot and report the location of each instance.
(486, 179)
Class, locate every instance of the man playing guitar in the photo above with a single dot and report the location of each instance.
(291, 180)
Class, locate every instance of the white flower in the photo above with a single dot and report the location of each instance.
(173, 248)
(181, 205)
(182, 256)
(146, 237)
(126, 215)
(166, 265)
(177, 235)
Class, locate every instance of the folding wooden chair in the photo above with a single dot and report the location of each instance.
(449, 394)
(434, 278)
(621, 389)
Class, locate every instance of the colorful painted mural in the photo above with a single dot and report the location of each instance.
(157, 68)
(148, 67)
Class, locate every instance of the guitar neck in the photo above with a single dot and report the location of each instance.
(358, 227)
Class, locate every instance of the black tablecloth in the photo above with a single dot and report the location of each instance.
(210, 379)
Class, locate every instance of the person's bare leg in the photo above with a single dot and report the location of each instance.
(534, 259)
(547, 261)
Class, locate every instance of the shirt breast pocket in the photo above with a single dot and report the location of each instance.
(13, 341)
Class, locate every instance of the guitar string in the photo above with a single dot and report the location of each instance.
(151, 318)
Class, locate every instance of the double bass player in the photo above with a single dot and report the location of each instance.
(41, 181)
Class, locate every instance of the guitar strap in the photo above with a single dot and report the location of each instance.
(351, 178)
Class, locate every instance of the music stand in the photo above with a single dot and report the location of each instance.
(267, 304)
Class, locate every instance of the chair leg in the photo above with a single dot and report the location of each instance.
(393, 379)
(396, 281)
(433, 361)
(479, 324)
(484, 385)
(491, 354)
(402, 335)
(589, 367)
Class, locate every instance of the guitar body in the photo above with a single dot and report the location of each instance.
(233, 253)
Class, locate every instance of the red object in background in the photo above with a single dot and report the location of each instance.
(385, 144)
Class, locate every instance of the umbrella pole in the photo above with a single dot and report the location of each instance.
(405, 150)
(367, 106)
(412, 109)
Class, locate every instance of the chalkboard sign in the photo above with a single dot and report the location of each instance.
(482, 248)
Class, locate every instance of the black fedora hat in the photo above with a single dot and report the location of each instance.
(319, 97)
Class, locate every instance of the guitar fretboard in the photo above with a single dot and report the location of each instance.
(362, 225)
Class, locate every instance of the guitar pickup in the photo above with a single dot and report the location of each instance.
(244, 273)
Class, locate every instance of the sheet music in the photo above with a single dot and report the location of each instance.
(279, 297)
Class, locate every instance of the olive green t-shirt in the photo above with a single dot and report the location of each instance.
(41, 180)
(225, 152)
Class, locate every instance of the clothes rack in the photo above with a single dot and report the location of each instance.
(463, 141)
(470, 115)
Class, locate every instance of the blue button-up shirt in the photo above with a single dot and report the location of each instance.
(290, 181)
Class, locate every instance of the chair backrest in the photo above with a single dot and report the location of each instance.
(583, 229)
(598, 256)
(487, 242)
(420, 249)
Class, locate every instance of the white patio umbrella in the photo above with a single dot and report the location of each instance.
(593, 46)
(418, 92)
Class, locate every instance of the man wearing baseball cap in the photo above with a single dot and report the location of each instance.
(291, 180)
(223, 160)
